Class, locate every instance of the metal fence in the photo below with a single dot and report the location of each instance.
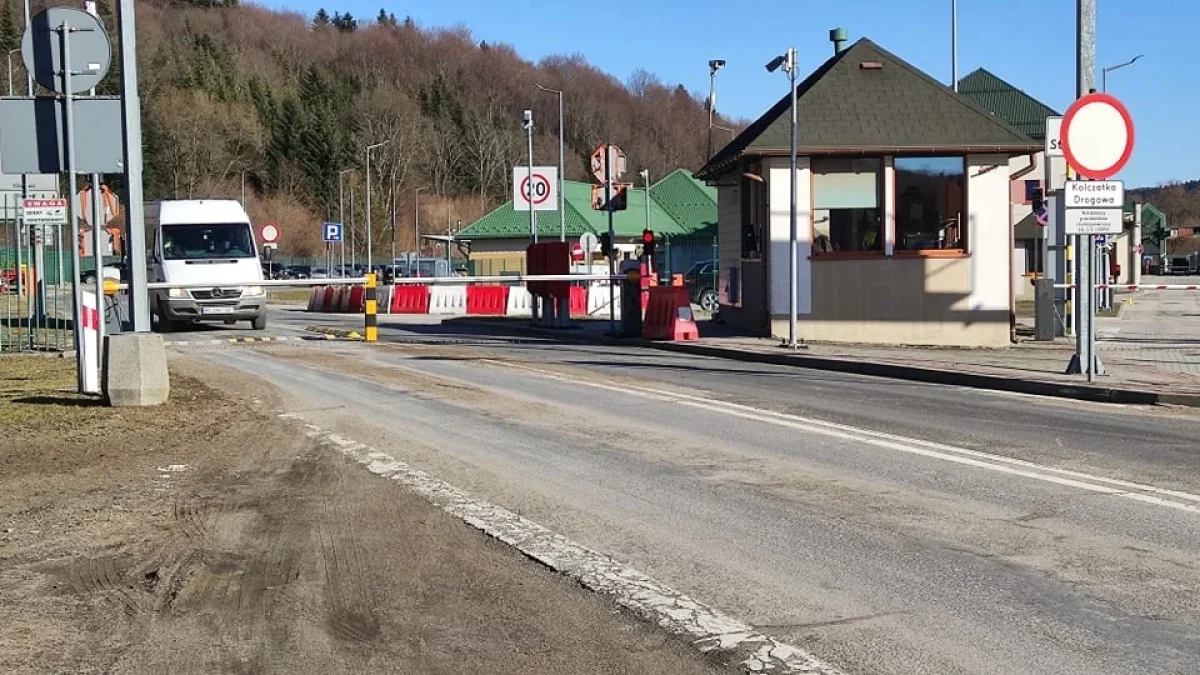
(35, 291)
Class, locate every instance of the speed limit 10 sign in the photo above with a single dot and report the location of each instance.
(539, 187)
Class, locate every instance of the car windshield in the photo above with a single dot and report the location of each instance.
(207, 242)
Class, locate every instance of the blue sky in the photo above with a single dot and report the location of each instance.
(1030, 43)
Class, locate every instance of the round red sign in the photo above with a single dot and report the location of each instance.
(269, 233)
(1097, 136)
(577, 253)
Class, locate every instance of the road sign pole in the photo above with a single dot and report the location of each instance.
(98, 257)
(612, 239)
(72, 216)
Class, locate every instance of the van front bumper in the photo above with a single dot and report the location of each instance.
(190, 309)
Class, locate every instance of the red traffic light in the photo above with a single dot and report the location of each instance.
(647, 236)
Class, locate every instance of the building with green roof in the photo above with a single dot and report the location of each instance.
(680, 207)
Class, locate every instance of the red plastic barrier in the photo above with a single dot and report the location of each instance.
(669, 316)
(357, 296)
(327, 305)
(410, 299)
(578, 301)
(316, 298)
(487, 300)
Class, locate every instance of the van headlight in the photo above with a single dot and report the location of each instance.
(253, 290)
(176, 293)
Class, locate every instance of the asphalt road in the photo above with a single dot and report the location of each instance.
(886, 526)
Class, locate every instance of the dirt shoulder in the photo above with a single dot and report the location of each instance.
(209, 536)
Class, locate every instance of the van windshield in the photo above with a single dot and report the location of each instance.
(206, 242)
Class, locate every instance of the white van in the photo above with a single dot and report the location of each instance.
(204, 241)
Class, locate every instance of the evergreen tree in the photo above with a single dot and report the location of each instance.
(10, 31)
(111, 84)
(321, 19)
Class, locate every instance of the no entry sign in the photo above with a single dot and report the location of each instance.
(269, 233)
(1097, 136)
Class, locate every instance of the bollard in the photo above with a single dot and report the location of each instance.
(631, 304)
(370, 307)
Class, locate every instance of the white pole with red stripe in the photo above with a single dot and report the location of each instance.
(89, 345)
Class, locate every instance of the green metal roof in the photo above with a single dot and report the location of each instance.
(678, 205)
(691, 203)
(1005, 101)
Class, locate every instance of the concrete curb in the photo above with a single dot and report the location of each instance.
(1080, 392)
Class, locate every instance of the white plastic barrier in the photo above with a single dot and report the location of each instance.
(520, 302)
(597, 300)
(448, 300)
(383, 296)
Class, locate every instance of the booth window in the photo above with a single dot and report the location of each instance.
(846, 197)
(930, 194)
(754, 212)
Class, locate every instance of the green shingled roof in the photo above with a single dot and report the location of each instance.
(1007, 102)
(678, 205)
(867, 100)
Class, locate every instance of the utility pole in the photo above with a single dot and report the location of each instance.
(131, 123)
(370, 257)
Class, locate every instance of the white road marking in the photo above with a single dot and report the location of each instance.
(707, 628)
(1148, 494)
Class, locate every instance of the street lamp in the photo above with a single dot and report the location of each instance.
(1103, 72)
(713, 67)
(787, 61)
(370, 261)
(562, 200)
(527, 125)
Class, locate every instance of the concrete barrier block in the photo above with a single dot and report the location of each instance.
(135, 370)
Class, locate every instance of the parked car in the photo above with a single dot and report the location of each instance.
(300, 271)
(319, 273)
(701, 283)
(1177, 264)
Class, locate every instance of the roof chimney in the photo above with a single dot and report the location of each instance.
(838, 37)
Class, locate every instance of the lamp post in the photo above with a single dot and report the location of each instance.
(1103, 72)
(527, 124)
(417, 227)
(713, 66)
(954, 44)
(732, 131)
(787, 61)
(370, 261)
(562, 199)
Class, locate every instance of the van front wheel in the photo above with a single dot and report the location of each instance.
(259, 322)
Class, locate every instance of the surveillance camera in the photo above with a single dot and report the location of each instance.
(776, 62)
(716, 64)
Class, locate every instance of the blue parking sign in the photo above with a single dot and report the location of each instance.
(333, 232)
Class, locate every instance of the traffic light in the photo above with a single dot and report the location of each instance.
(1037, 200)
(648, 244)
(605, 245)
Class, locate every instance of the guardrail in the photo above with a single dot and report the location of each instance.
(404, 281)
(1137, 287)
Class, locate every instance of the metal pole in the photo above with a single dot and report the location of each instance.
(793, 243)
(98, 257)
(10, 87)
(353, 252)
(954, 44)
(243, 189)
(131, 117)
(368, 168)
(562, 197)
(417, 227)
(612, 240)
(392, 196)
(1085, 73)
(533, 233)
(341, 220)
(69, 132)
(712, 104)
